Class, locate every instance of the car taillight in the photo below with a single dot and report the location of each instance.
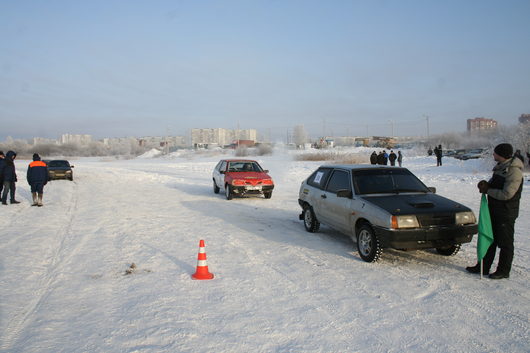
(238, 182)
(267, 182)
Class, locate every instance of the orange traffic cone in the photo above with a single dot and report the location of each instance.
(202, 266)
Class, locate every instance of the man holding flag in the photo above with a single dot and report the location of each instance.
(504, 192)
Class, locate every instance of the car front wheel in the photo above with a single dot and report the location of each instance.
(228, 192)
(215, 188)
(448, 250)
(368, 244)
(267, 195)
(311, 223)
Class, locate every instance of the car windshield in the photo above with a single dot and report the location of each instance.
(242, 166)
(59, 164)
(380, 181)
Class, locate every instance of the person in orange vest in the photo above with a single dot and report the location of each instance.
(37, 177)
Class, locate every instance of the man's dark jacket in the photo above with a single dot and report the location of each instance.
(37, 172)
(8, 172)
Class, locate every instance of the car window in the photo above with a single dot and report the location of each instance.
(223, 166)
(59, 164)
(319, 178)
(242, 166)
(386, 181)
(339, 180)
(218, 165)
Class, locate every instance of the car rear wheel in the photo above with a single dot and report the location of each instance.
(267, 195)
(311, 223)
(215, 188)
(368, 244)
(449, 250)
(228, 192)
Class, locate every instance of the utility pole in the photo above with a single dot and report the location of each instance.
(166, 144)
(237, 137)
(427, 119)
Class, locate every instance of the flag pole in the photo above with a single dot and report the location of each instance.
(481, 269)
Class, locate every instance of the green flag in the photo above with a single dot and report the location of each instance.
(485, 232)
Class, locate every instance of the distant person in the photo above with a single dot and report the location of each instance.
(518, 154)
(400, 158)
(438, 152)
(10, 178)
(2, 164)
(429, 151)
(380, 158)
(385, 158)
(373, 158)
(37, 177)
(392, 158)
(504, 193)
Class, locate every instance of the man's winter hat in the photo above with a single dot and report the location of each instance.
(2, 153)
(504, 150)
(36, 157)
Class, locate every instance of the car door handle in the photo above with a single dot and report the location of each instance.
(324, 196)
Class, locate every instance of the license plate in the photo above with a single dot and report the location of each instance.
(253, 187)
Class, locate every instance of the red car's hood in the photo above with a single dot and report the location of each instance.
(248, 175)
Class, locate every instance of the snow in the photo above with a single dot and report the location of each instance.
(277, 288)
(151, 154)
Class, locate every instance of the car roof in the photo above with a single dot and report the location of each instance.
(239, 160)
(359, 166)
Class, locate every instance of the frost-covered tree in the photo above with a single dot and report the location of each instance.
(299, 135)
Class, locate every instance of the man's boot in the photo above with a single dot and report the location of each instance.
(34, 195)
(476, 269)
(39, 201)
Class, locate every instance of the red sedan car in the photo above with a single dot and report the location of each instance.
(241, 177)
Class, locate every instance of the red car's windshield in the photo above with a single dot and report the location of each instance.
(242, 166)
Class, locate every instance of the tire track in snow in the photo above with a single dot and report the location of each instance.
(21, 320)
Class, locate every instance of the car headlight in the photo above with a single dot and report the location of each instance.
(465, 218)
(267, 182)
(409, 221)
(238, 182)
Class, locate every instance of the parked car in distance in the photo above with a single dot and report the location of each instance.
(384, 207)
(241, 177)
(473, 154)
(60, 169)
(459, 153)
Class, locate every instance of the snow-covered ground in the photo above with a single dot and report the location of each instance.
(277, 288)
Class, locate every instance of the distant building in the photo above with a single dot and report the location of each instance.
(162, 141)
(220, 137)
(77, 139)
(44, 141)
(524, 119)
(478, 125)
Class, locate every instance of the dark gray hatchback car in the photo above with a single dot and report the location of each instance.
(384, 207)
(60, 169)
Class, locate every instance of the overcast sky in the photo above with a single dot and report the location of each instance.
(138, 68)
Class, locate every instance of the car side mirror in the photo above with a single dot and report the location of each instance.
(221, 171)
(432, 189)
(265, 171)
(345, 193)
(71, 166)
